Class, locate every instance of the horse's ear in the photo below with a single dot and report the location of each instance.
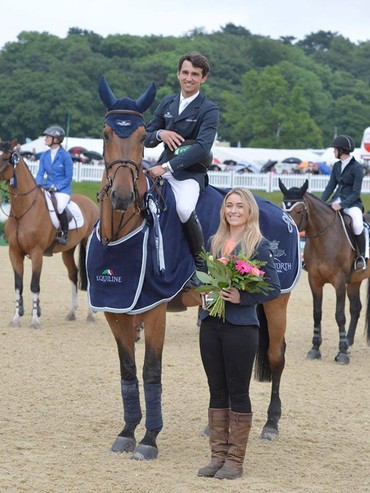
(282, 187)
(305, 187)
(106, 94)
(13, 143)
(146, 99)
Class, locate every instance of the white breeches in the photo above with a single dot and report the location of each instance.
(62, 201)
(186, 194)
(356, 215)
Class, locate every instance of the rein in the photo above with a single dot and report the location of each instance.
(317, 235)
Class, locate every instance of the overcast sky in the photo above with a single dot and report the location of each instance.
(272, 18)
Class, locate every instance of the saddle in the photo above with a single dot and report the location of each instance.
(55, 206)
(347, 226)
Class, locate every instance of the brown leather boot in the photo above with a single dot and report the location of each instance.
(240, 425)
(218, 420)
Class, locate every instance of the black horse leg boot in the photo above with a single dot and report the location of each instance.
(360, 262)
(62, 236)
(194, 236)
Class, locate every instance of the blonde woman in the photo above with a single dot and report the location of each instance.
(228, 348)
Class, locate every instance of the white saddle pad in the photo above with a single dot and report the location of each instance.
(77, 219)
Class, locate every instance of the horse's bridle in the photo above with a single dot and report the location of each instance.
(134, 168)
(293, 204)
(12, 162)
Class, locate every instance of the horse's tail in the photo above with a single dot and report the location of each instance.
(262, 370)
(82, 268)
(367, 323)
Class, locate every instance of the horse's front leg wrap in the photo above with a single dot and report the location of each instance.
(131, 401)
(153, 402)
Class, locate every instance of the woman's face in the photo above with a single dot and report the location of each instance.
(235, 211)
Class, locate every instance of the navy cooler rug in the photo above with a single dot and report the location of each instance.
(153, 263)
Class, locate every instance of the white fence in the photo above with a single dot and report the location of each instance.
(267, 182)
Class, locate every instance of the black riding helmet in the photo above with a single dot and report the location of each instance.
(344, 142)
(56, 132)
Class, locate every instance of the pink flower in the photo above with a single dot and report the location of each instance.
(223, 260)
(256, 272)
(243, 267)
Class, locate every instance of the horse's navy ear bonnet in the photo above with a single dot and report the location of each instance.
(124, 125)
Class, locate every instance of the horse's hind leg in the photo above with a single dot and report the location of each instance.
(35, 288)
(342, 357)
(123, 330)
(69, 262)
(355, 306)
(275, 312)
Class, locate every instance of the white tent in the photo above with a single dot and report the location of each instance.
(38, 145)
(257, 157)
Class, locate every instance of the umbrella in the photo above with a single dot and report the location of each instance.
(292, 160)
(324, 168)
(268, 166)
(77, 150)
(92, 155)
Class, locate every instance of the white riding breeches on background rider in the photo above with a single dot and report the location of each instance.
(356, 216)
(62, 201)
(186, 194)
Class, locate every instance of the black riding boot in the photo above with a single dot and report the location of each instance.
(62, 236)
(194, 236)
(360, 261)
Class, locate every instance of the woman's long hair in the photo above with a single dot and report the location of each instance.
(252, 234)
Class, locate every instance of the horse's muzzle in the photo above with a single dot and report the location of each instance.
(121, 203)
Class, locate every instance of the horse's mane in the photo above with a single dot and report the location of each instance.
(5, 146)
(319, 201)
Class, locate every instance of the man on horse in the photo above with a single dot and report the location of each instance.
(184, 118)
(57, 165)
(346, 179)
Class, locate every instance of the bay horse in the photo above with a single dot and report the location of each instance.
(128, 211)
(328, 257)
(30, 232)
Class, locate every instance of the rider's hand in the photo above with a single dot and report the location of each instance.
(172, 139)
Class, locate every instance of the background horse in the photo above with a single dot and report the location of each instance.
(328, 257)
(30, 232)
(128, 211)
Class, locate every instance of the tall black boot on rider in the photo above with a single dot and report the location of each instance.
(194, 236)
(360, 261)
(62, 236)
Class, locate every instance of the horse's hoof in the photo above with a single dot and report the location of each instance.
(145, 452)
(70, 317)
(14, 323)
(90, 318)
(342, 359)
(269, 433)
(123, 444)
(35, 325)
(313, 354)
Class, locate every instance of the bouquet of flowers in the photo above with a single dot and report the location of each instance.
(230, 271)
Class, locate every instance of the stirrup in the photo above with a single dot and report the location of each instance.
(360, 264)
(61, 238)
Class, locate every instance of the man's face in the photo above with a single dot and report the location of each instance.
(190, 79)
